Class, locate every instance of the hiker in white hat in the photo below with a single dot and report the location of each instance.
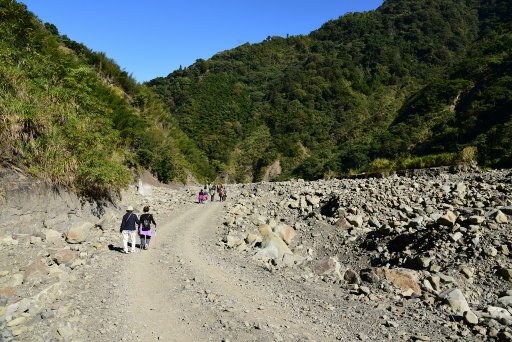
(128, 228)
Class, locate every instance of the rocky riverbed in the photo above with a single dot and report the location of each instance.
(437, 241)
(423, 256)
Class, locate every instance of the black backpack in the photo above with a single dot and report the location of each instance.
(146, 222)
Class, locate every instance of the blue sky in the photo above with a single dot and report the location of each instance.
(150, 38)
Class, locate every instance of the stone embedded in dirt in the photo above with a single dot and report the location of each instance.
(64, 256)
(250, 238)
(435, 282)
(422, 262)
(352, 277)
(476, 219)
(25, 304)
(355, 220)
(343, 223)
(374, 222)
(327, 266)
(34, 240)
(369, 275)
(446, 279)
(35, 272)
(51, 236)
(272, 248)
(49, 293)
(17, 321)
(76, 263)
(290, 260)
(401, 278)
(504, 250)
(416, 222)
(505, 273)
(505, 302)
(456, 236)
(15, 280)
(501, 217)
(448, 219)
(365, 290)
(312, 200)
(468, 272)
(18, 330)
(491, 251)
(24, 239)
(470, 317)
(265, 230)
(285, 232)
(456, 300)
(79, 232)
(500, 314)
(233, 241)
(506, 210)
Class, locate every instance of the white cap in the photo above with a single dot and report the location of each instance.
(130, 208)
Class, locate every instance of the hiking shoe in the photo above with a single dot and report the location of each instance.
(146, 246)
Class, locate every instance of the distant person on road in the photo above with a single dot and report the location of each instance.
(213, 190)
(224, 193)
(129, 228)
(203, 195)
(219, 191)
(145, 231)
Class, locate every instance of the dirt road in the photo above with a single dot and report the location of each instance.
(179, 290)
(189, 287)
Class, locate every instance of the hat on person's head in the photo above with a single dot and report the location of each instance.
(129, 208)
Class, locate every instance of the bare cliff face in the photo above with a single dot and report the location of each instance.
(28, 205)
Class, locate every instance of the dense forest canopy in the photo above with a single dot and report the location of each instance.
(411, 84)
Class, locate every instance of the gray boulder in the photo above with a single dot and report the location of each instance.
(447, 219)
(355, 220)
(79, 232)
(456, 300)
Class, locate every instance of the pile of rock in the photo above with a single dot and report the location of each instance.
(444, 239)
(37, 269)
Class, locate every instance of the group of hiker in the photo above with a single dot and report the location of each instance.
(209, 191)
(131, 224)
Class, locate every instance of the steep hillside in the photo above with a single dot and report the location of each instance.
(73, 117)
(414, 82)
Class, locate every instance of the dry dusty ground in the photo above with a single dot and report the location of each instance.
(187, 287)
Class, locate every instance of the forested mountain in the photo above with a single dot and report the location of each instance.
(73, 117)
(413, 83)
